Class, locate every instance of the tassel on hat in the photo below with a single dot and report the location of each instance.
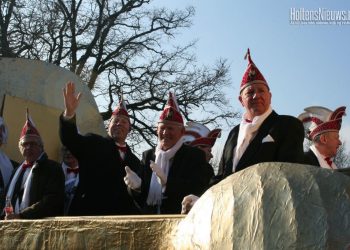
(171, 112)
(121, 109)
(29, 129)
(252, 74)
(318, 120)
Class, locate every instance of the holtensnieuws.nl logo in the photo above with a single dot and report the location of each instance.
(320, 16)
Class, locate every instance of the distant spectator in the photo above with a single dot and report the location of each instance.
(322, 127)
(198, 135)
(37, 187)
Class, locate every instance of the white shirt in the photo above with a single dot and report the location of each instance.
(321, 158)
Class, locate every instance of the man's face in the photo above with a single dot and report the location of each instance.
(169, 134)
(256, 99)
(119, 128)
(69, 159)
(332, 143)
(207, 150)
(30, 148)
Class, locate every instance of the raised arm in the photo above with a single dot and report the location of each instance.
(71, 100)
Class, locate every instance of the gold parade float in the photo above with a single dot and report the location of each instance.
(266, 206)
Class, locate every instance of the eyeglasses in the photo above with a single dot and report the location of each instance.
(31, 144)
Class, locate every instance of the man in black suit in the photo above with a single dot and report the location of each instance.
(36, 189)
(262, 135)
(322, 128)
(170, 171)
(102, 160)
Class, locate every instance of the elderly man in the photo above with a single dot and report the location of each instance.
(170, 171)
(262, 135)
(198, 135)
(102, 160)
(322, 128)
(36, 189)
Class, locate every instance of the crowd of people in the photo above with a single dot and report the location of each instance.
(102, 176)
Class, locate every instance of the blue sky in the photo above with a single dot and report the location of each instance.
(304, 64)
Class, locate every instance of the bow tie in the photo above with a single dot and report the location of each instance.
(329, 161)
(72, 170)
(122, 148)
(248, 121)
(27, 165)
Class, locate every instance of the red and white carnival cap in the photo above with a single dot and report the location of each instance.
(171, 111)
(252, 74)
(29, 129)
(318, 120)
(197, 134)
(121, 109)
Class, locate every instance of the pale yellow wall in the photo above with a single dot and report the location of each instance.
(45, 119)
(38, 85)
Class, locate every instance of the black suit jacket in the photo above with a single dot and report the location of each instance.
(188, 174)
(287, 133)
(311, 159)
(101, 189)
(47, 190)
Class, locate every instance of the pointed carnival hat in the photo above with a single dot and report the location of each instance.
(171, 112)
(318, 120)
(121, 109)
(29, 129)
(252, 74)
(197, 134)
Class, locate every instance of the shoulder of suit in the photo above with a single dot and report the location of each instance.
(191, 150)
(53, 163)
(287, 117)
(289, 120)
(149, 151)
(234, 130)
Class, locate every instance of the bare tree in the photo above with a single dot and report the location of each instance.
(120, 47)
(342, 159)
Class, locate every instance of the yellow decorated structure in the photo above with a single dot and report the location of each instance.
(38, 86)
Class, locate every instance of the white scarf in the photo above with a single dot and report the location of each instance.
(5, 168)
(27, 177)
(321, 158)
(162, 160)
(28, 181)
(247, 131)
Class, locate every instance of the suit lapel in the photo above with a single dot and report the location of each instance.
(179, 155)
(229, 147)
(249, 155)
(313, 158)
